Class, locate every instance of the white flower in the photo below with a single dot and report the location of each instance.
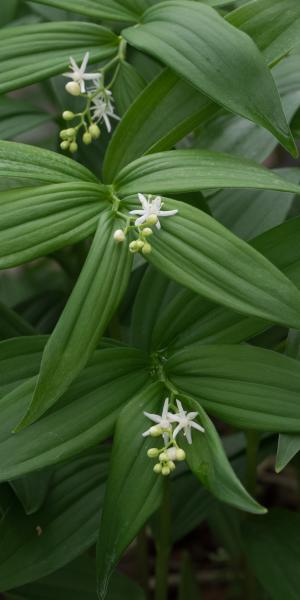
(151, 208)
(163, 422)
(185, 421)
(79, 75)
(103, 108)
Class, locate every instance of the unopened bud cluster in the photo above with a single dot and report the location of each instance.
(141, 244)
(166, 459)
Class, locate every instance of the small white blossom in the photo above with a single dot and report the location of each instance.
(151, 208)
(79, 75)
(185, 422)
(102, 107)
(163, 422)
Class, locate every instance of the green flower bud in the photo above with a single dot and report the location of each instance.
(68, 115)
(64, 145)
(73, 88)
(147, 232)
(155, 431)
(153, 452)
(171, 465)
(180, 454)
(133, 247)
(71, 132)
(140, 244)
(63, 134)
(87, 138)
(119, 235)
(157, 468)
(152, 219)
(163, 457)
(94, 131)
(147, 248)
(165, 471)
(73, 147)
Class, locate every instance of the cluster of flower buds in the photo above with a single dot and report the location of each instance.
(168, 425)
(99, 106)
(148, 217)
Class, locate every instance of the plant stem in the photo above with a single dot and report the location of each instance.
(163, 545)
(142, 561)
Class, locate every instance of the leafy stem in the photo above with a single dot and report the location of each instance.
(163, 544)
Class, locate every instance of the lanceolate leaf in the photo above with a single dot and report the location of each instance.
(193, 170)
(193, 249)
(66, 525)
(273, 24)
(92, 303)
(12, 324)
(17, 117)
(242, 385)
(114, 10)
(134, 491)
(37, 221)
(28, 166)
(207, 459)
(19, 360)
(33, 52)
(187, 46)
(83, 417)
(128, 85)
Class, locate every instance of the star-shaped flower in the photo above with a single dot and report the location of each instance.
(151, 207)
(163, 423)
(185, 422)
(103, 108)
(78, 73)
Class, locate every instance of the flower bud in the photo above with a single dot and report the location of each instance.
(94, 131)
(73, 88)
(87, 138)
(155, 431)
(147, 248)
(65, 145)
(153, 452)
(180, 454)
(172, 453)
(133, 247)
(70, 132)
(140, 244)
(163, 457)
(165, 471)
(63, 134)
(157, 468)
(147, 232)
(171, 465)
(119, 235)
(68, 115)
(73, 147)
(152, 219)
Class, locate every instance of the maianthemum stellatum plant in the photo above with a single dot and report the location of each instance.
(150, 304)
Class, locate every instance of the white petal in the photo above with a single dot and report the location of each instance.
(107, 123)
(192, 415)
(188, 434)
(165, 438)
(85, 62)
(146, 433)
(196, 426)
(141, 220)
(180, 407)
(158, 225)
(165, 408)
(143, 200)
(177, 430)
(82, 86)
(173, 418)
(152, 417)
(136, 212)
(74, 64)
(167, 213)
(89, 76)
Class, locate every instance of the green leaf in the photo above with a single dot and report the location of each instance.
(193, 170)
(193, 249)
(190, 319)
(34, 546)
(37, 221)
(109, 381)
(273, 24)
(114, 10)
(190, 46)
(12, 324)
(93, 301)
(27, 166)
(142, 130)
(19, 359)
(30, 53)
(275, 535)
(133, 490)
(75, 582)
(208, 461)
(32, 490)
(17, 117)
(127, 86)
(243, 385)
(8, 11)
